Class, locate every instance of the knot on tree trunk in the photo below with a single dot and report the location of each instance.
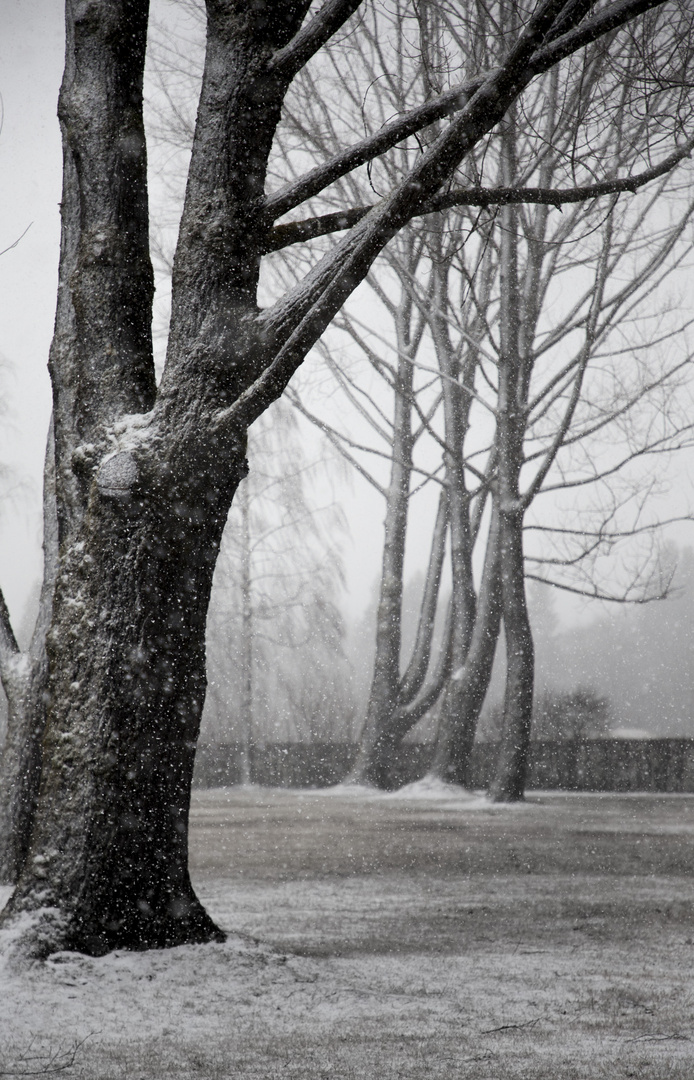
(117, 476)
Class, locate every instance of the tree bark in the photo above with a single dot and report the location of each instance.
(508, 784)
(127, 684)
(372, 765)
(24, 679)
(23, 683)
(468, 685)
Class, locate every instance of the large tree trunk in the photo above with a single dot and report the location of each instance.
(143, 492)
(127, 686)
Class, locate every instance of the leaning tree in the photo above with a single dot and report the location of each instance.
(144, 473)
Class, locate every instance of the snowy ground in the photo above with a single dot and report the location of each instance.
(420, 935)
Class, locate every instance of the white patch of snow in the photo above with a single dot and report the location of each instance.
(433, 789)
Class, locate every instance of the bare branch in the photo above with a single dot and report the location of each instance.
(287, 62)
(296, 232)
(19, 238)
(313, 182)
(597, 594)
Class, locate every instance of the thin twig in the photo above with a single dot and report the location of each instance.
(511, 1027)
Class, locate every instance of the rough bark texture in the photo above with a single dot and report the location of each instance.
(127, 687)
(23, 684)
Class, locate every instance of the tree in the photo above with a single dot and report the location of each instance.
(556, 112)
(275, 635)
(578, 714)
(23, 675)
(145, 474)
(549, 401)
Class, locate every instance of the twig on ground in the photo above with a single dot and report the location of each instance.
(511, 1027)
(660, 1037)
(54, 1062)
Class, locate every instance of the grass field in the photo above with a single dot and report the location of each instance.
(390, 937)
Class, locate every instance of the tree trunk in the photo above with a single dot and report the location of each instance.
(246, 703)
(456, 403)
(468, 685)
(143, 487)
(127, 686)
(24, 679)
(508, 784)
(24, 684)
(515, 365)
(372, 765)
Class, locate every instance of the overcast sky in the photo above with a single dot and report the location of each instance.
(31, 60)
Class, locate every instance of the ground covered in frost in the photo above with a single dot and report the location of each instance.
(420, 935)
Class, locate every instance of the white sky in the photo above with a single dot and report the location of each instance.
(31, 60)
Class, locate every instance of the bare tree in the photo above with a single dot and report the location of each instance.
(557, 114)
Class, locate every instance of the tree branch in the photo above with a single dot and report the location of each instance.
(296, 232)
(287, 62)
(313, 182)
(596, 594)
(293, 325)
(8, 642)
